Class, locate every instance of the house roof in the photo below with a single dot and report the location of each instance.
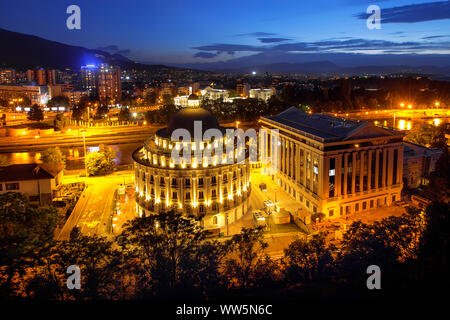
(29, 171)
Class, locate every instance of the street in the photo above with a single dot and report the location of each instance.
(93, 210)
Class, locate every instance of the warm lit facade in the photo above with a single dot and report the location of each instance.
(261, 94)
(109, 84)
(210, 189)
(214, 94)
(336, 166)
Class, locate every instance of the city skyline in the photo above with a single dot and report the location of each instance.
(213, 32)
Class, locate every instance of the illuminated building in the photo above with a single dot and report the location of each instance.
(214, 94)
(37, 94)
(42, 76)
(7, 76)
(213, 190)
(336, 166)
(109, 83)
(89, 78)
(242, 89)
(261, 94)
(419, 161)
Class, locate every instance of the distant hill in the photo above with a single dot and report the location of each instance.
(21, 51)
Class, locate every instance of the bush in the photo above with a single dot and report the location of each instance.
(100, 162)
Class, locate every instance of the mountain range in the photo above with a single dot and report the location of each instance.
(22, 52)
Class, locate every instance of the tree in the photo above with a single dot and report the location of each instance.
(24, 229)
(100, 162)
(124, 114)
(101, 112)
(61, 121)
(427, 135)
(171, 257)
(434, 250)
(53, 156)
(79, 113)
(246, 265)
(309, 260)
(36, 113)
(58, 101)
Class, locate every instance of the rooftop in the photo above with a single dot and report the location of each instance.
(326, 127)
(29, 171)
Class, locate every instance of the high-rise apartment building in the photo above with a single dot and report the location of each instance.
(109, 83)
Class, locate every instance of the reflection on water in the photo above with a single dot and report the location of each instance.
(75, 156)
(407, 124)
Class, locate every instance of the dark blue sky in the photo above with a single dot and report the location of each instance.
(177, 31)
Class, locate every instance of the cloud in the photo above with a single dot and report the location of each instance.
(272, 40)
(255, 34)
(111, 47)
(435, 37)
(420, 12)
(354, 45)
(114, 49)
(205, 55)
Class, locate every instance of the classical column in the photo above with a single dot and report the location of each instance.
(353, 172)
(400, 165)
(362, 154)
(377, 167)
(390, 166)
(369, 169)
(324, 178)
(345, 173)
(337, 177)
(383, 178)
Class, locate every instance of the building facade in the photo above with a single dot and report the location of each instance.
(336, 166)
(211, 190)
(214, 94)
(109, 84)
(418, 163)
(37, 181)
(261, 94)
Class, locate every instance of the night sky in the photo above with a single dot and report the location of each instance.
(178, 31)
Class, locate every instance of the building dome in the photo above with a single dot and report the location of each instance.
(186, 117)
(193, 96)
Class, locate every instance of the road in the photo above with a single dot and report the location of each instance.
(74, 138)
(93, 210)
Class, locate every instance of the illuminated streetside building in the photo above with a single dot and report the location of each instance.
(336, 166)
(208, 187)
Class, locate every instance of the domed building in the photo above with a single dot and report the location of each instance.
(212, 190)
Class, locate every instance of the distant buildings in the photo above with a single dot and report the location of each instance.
(36, 94)
(104, 81)
(42, 76)
(336, 166)
(261, 94)
(37, 181)
(89, 78)
(7, 76)
(242, 89)
(109, 84)
(214, 94)
(418, 162)
(75, 96)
